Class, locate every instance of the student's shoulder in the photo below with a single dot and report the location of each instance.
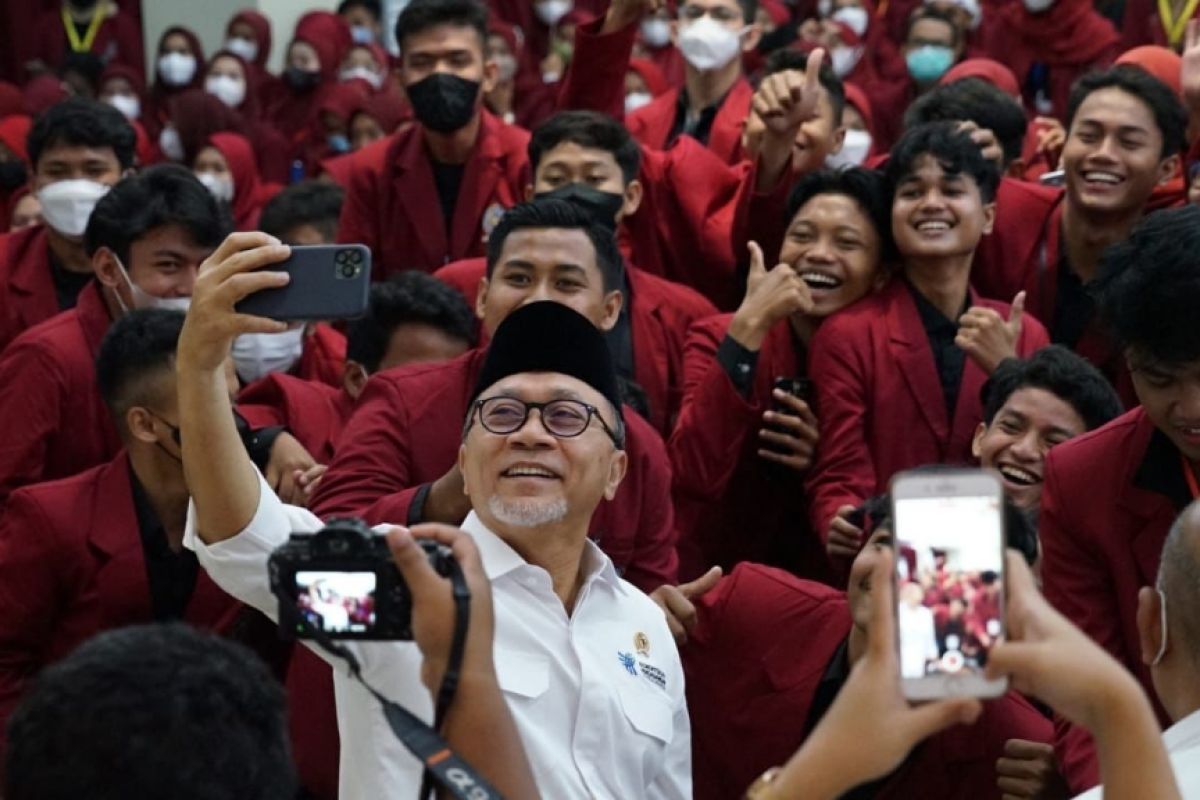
(57, 340)
(757, 589)
(1113, 443)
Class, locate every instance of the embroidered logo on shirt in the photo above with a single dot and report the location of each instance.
(641, 643)
(629, 662)
(654, 675)
(491, 218)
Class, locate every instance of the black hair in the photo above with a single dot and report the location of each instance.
(954, 150)
(749, 9)
(77, 122)
(1179, 579)
(789, 58)
(166, 194)
(587, 129)
(864, 186)
(421, 15)
(547, 212)
(1148, 288)
(930, 12)
(1020, 531)
(311, 202)
(372, 6)
(1169, 114)
(409, 297)
(1064, 374)
(139, 345)
(974, 100)
(149, 711)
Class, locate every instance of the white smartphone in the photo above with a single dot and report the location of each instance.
(948, 529)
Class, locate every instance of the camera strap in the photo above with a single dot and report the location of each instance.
(442, 765)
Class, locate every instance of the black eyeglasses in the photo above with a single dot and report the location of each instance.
(563, 419)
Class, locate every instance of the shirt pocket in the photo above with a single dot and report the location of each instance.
(522, 674)
(648, 712)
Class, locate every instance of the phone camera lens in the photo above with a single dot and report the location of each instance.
(355, 256)
(340, 258)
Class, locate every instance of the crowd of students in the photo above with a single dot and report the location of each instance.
(821, 243)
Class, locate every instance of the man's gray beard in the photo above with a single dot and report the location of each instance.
(527, 513)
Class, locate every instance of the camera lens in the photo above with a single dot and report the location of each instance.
(347, 271)
(355, 256)
(341, 257)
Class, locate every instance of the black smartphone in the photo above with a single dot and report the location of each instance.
(329, 281)
(797, 387)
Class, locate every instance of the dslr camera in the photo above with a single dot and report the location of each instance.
(343, 582)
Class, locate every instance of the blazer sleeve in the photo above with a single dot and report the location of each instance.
(596, 78)
(31, 393)
(653, 561)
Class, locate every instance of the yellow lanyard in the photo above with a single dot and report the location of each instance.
(1174, 28)
(89, 38)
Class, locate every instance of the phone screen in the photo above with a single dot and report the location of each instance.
(337, 602)
(949, 583)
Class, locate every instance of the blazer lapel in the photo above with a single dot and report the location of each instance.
(725, 138)
(481, 174)
(121, 580)
(416, 191)
(909, 346)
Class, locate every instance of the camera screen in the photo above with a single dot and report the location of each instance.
(337, 602)
(949, 568)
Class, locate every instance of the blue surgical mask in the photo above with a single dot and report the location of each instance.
(338, 143)
(929, 62)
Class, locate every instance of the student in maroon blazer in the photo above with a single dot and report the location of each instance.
(103, 549)
(78, 149)
(767, 653)
(431, 192)
(739, 451)
(1110, 496)
(396, 457)
(898, 374)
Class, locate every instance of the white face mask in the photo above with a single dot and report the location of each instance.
(127, 104)
(635, 100)
(506, 67)
(177, 69)
(853, 17)
(259, 354)
(844, 59)
(67, 205)
(221, 188)
(368, 75)
(143, 299)
(551, 11)
(709, 45)
(170, 143)
(246, 48)
(551, 77)
(361, 34)
(855, 148)
(226, 88)
(656, 32)
(1037, 6)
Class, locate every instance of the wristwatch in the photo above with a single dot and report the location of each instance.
(761, 788)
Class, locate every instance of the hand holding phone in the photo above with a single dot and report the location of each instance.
(790, 430)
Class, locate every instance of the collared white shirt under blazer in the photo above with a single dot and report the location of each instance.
(597, 696)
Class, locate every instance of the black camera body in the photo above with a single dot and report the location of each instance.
(341, 580)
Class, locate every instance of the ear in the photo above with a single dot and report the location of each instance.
(752, 37)
(837, 140)
(617, 466)
(528, 192)
(354, 378)
(975, 442)
(140, 425)
(462, 463)
(106, 269)
(1148, 617)
(989, 217)
(633, 198)
(481, 298)
(612, 310)
(491, 76)
(1168, 169)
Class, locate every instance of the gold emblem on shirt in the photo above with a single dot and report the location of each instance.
(641, 643)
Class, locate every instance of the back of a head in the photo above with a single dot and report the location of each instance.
(589, 129)
(1179, 580)
(313, 203)
(1148, 289)
(953, 149)
(166, 194)
(83, 123)
(1168, 111)
(152, 711)
(137, 351)
(787, 58)
(865, 187)
(547, 212)
(408, 298)
(1064, 374)
(974, 100)
(423, 15)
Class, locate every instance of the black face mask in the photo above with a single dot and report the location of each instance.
(602, 207)
(301, 80)
(443, 102)
(12, 175)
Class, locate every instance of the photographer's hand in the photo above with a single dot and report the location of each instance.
(478, 724)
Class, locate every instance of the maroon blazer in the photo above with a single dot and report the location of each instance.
(71, 566)
(881, 403)
(55, 423)
(1109, 499)
(315, 413)
(323, 357)
(753, 663)
(392, 201)
(27, 294)
(660, 312)
(405, 432)
(731, 504)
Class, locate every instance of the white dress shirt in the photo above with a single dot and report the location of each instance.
(597, 696)
(1182, 741)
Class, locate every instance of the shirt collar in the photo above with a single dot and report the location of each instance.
(1161, 471)
(1184, 733)
(932, 318)
(499, 558)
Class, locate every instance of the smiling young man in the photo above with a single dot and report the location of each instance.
(584, 660)
(1031, 405)
(396, 457)
(1111, 496)
(898, 374)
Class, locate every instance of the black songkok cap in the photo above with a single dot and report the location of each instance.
(549, 337)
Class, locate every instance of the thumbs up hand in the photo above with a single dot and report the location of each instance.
(770, 297)
(987, 337)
